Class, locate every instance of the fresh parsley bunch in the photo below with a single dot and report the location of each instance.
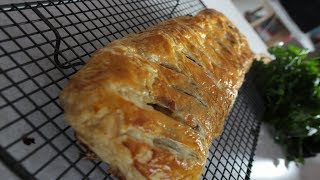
(290, 86)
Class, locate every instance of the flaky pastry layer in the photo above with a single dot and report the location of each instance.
(150, 104)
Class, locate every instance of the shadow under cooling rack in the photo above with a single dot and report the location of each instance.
(43, 43)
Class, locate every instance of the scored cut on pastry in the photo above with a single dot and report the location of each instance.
(150, 104)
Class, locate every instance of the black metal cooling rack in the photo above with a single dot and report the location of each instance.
(43, 43)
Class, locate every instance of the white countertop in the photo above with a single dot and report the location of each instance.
(269, 162)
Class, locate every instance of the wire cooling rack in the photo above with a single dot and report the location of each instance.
(43, 43)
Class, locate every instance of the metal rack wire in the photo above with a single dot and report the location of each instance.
(43, 43)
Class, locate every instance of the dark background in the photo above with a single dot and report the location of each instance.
(306, 13)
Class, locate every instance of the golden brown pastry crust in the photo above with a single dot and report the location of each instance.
(150, 104)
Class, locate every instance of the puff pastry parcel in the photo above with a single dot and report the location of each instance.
(150, 104)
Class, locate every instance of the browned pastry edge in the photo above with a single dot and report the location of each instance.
(151, 103)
